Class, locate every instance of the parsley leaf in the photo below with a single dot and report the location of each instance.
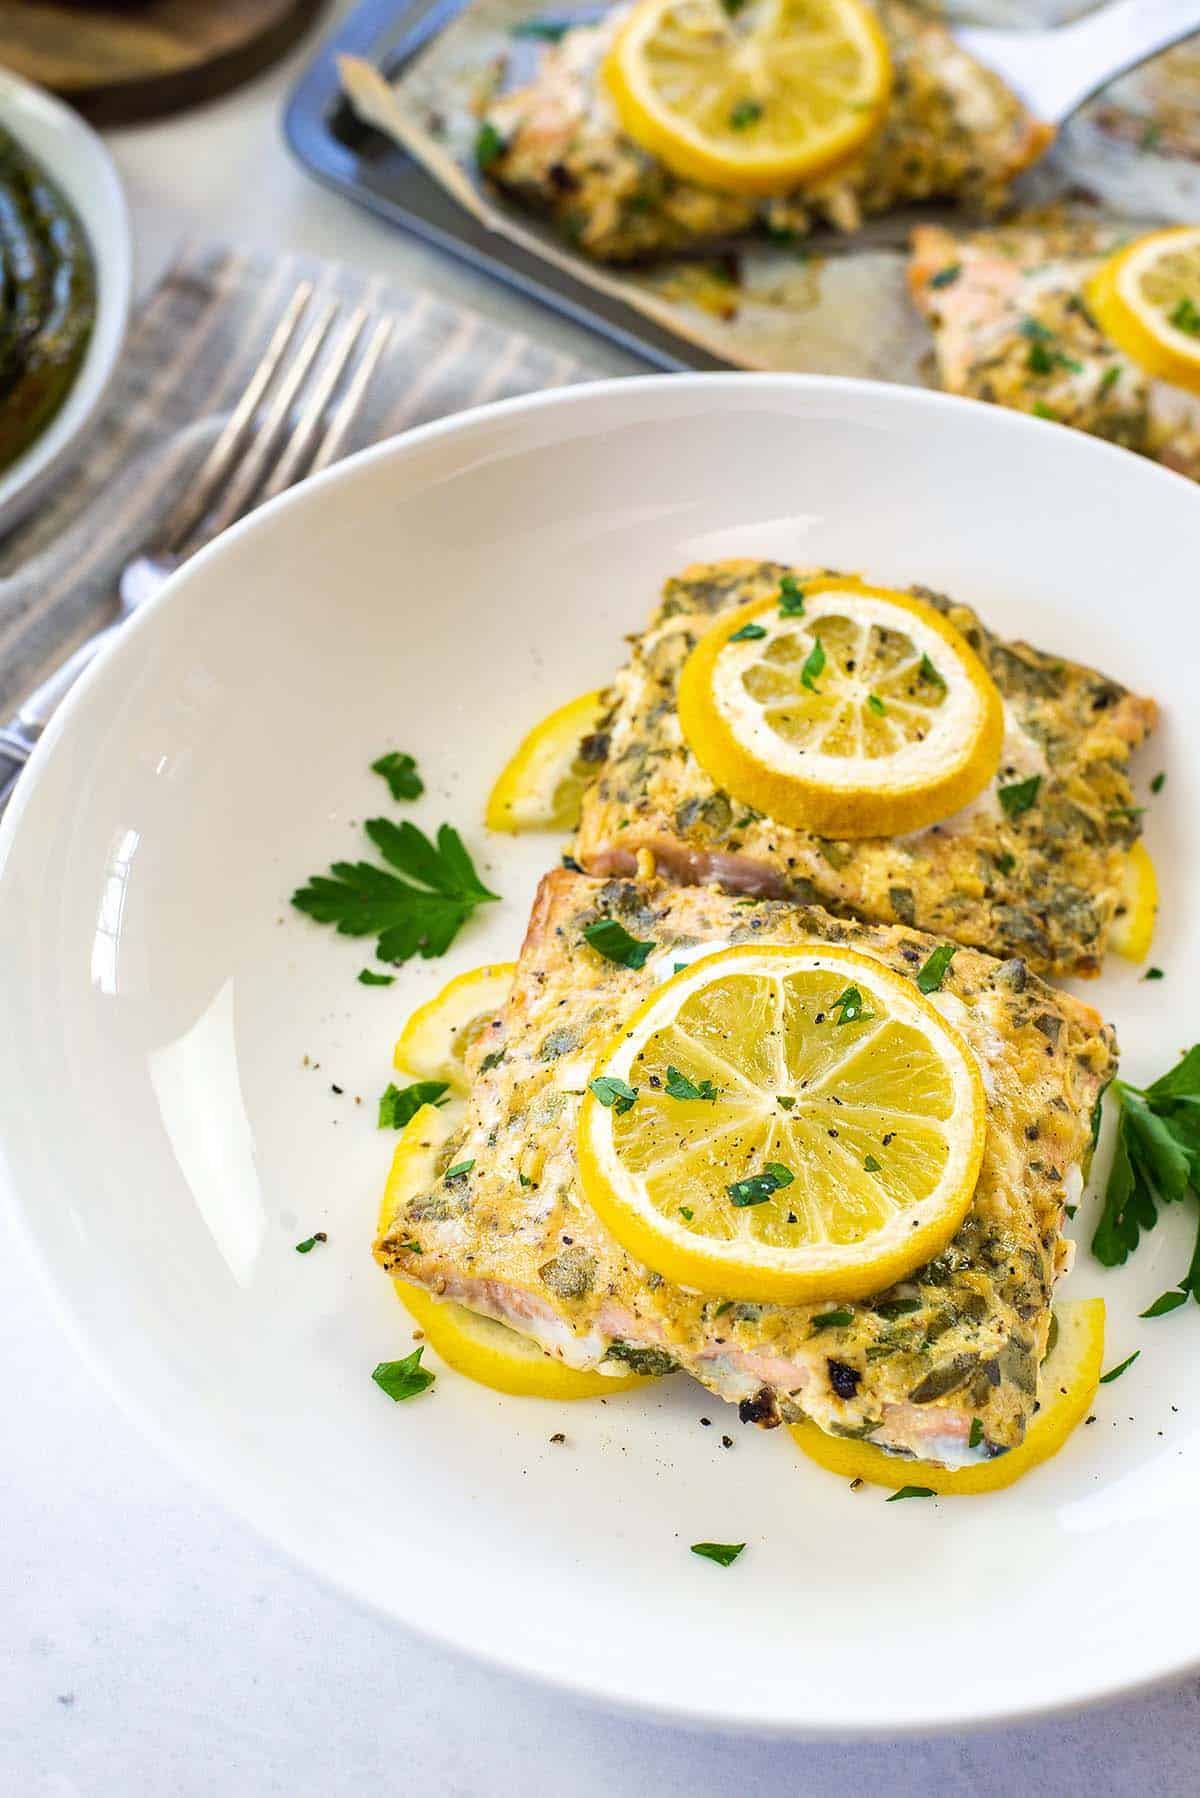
(613, 1092)
(976, 1436)
(547, 30)
(419, 914)
(1167, 1301)
(756, 1189)
(814, 667)
(746, 112)
(310, 1242)
(910, 1492)
(1114, 1373)
(791, 597)
(876, 705)
(748, 633)
(946, 277)
(1109, 378)
(1186, 316)
(723, 1553)
(832, 1320)
(403, 1379)
(614, 943)
(398, 1104)
(400, 772)
(927, 671)
(1020, 795)
(871, 1166)
(1156, 1161)
(489, 146)
(1154, 974)
(1158, 783)
(932, 974)
(459, 1171)
(852, 1007)
(369, 977)
(680, 1087)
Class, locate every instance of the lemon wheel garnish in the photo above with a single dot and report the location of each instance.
(542, 786)
(1133, 927)
(866, 714)
(1147, 299)
(1066, 1386)
(473, 1345)
(754, 99)
(806, 1126)
(435, 1040)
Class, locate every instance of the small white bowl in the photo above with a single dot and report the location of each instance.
(78, 163)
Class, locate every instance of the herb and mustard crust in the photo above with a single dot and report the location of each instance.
(942, 1366)
(1032, 868)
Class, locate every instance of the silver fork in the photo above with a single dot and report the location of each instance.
(271, 440)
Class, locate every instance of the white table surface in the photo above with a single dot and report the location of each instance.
(150, 1645)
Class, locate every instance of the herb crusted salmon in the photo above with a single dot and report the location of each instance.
(952, 131)
(1033, 867)
(942, 1367)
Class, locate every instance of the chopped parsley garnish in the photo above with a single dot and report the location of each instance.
(403, 1379)
(814, 667)
(400, 772)
(489, 146)
(749, 633)
(946, 277)
(368, 977)
(1186, 316)
(785, 1101)
(1042, 410)
(612, 1092)
(791, 597)
(459, 1170)
(310, 1242)
(419, 914)
(1006, 863)
(910, 1492)
(1114, 1373)
(1035, 330)
(1043, 361)
(680, 1087)
(876, 705)
(491, 1060)
(832, 1320)
(547, 30)
(976, 1435)
(871, 1166)
(927, 671)
(1020, 795)
(614, 943)
(1167, 1301)
(1158, 783)
(723, 1307)
(686, 1212)
(756, 1189)
(1156, 1161)
(898, 1307)
(744, 114)
(852, 1007)
(931, 976)
(1154, 974)
(1109, 378)
(723, 1553)
(398, 1104)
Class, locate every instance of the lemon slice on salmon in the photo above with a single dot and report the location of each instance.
(783, 1123)
(752, 99)
(542, 786)
(477, 1346)
(1067, 1385)
(842, 708)
(434, 1042)
(1146, 297)
(1132, 928)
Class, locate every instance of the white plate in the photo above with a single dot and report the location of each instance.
(76, 160)
(166, 1143)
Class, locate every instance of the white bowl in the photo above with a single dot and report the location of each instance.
(76, 160)
(171, 1031)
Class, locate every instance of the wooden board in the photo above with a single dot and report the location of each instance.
(118, 63)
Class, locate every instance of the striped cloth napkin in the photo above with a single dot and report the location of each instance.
(189, 356)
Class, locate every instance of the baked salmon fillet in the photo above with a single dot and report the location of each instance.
(1011, 323)
(503, 1227)
(953, 131)
(1044, 885)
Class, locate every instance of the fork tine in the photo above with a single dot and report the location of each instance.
(249, 472)
(224, 452)
(347, 407)
(304, 432)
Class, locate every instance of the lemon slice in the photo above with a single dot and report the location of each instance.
(542, 786)
(1066, 1386)
(1147, 298)
(753, 99)
(476, 1346)
(806, 1126)
(435, 1040)
(1133, 926)
(866, 714)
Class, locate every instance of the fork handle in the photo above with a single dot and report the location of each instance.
(1054, 72)
(19, 737)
